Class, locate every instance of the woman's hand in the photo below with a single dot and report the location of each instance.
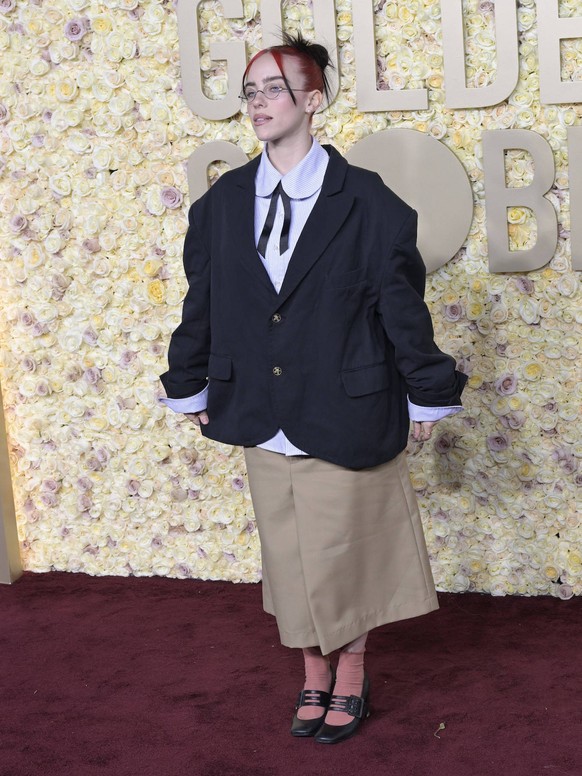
(421, 430)
(199, 418)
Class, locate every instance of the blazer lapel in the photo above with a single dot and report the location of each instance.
(328, 215)
(242, 235)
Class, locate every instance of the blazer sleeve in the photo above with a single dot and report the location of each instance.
(189, 348)
(430, 374)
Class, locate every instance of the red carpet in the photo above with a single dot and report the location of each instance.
(147, 676)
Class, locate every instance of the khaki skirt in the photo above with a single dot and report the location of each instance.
(343, 551)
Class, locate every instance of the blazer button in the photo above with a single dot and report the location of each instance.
(277, 371)
(276, 318)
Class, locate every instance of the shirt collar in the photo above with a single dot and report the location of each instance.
(299, 183)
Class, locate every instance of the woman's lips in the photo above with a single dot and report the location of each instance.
(261, 119)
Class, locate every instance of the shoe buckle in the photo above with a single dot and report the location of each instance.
(355, 706)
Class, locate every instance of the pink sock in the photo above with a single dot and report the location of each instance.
(349, 681)
(317, 677)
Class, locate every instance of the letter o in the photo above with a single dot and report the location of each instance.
(430, 178)
(206, 154)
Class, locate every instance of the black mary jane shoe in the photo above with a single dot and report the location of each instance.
(355, 706)
(303, 728)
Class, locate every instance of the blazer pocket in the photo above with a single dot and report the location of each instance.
(219, 367)
(366, 379)
(345, 279)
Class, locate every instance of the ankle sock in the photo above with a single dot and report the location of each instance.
(317, 677)
(349, 681)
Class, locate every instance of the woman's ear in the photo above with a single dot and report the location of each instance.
(313, 102)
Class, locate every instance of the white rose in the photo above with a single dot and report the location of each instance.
(121, 103)
(154, 203)
(53, 242)
(66, 89)
(102, 156)
(529, 311)
(60, 184)
(102, 91)
(39, 67)
(79, 143)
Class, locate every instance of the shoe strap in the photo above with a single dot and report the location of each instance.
(313, 698)
(348, 704)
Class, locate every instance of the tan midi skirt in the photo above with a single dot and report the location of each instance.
(343, 551)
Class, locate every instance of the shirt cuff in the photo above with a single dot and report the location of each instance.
(430, 414)
(190, 404)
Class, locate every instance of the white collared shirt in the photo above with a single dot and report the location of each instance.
(303, 185)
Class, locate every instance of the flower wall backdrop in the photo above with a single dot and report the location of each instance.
(94, 138)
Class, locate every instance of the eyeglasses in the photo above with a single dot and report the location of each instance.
(271, 92)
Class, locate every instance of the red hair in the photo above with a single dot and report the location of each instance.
(310, 69)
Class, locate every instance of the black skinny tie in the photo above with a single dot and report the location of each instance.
(266, 233)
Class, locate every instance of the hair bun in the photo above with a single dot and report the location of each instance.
(315, 51)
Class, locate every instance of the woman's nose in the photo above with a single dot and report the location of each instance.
(260, 98)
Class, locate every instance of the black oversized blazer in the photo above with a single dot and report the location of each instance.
(329, 359)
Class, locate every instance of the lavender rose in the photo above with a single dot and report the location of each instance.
(187, 456)
(497, 442)
(93, 464)
(453, 312)
(514, 420)
(84, 502)
(506, 384)
(90, 336)
(171, 197)
(565, 592)
(50, 486)
(179, 494)
(525, 285)
(7, 5)
(26, 319)
(569, 465)
(133, 487)
(444, 442)
(84, 484)
(92, 244)
(197, 468)
(28, 364)
(49, 499)
(127, 358)
(18, 223)
(92, 375)
(75, 29)
(103, 455)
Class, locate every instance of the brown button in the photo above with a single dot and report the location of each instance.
(277, 371)
(276, 318)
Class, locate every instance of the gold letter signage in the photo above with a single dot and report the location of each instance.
(458, 95)
(422, 170)
(431, 179)
(498, 199)
(232, 51)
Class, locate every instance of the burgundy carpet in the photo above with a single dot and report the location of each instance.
(144, 676)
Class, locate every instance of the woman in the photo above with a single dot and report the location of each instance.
(305, 339)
